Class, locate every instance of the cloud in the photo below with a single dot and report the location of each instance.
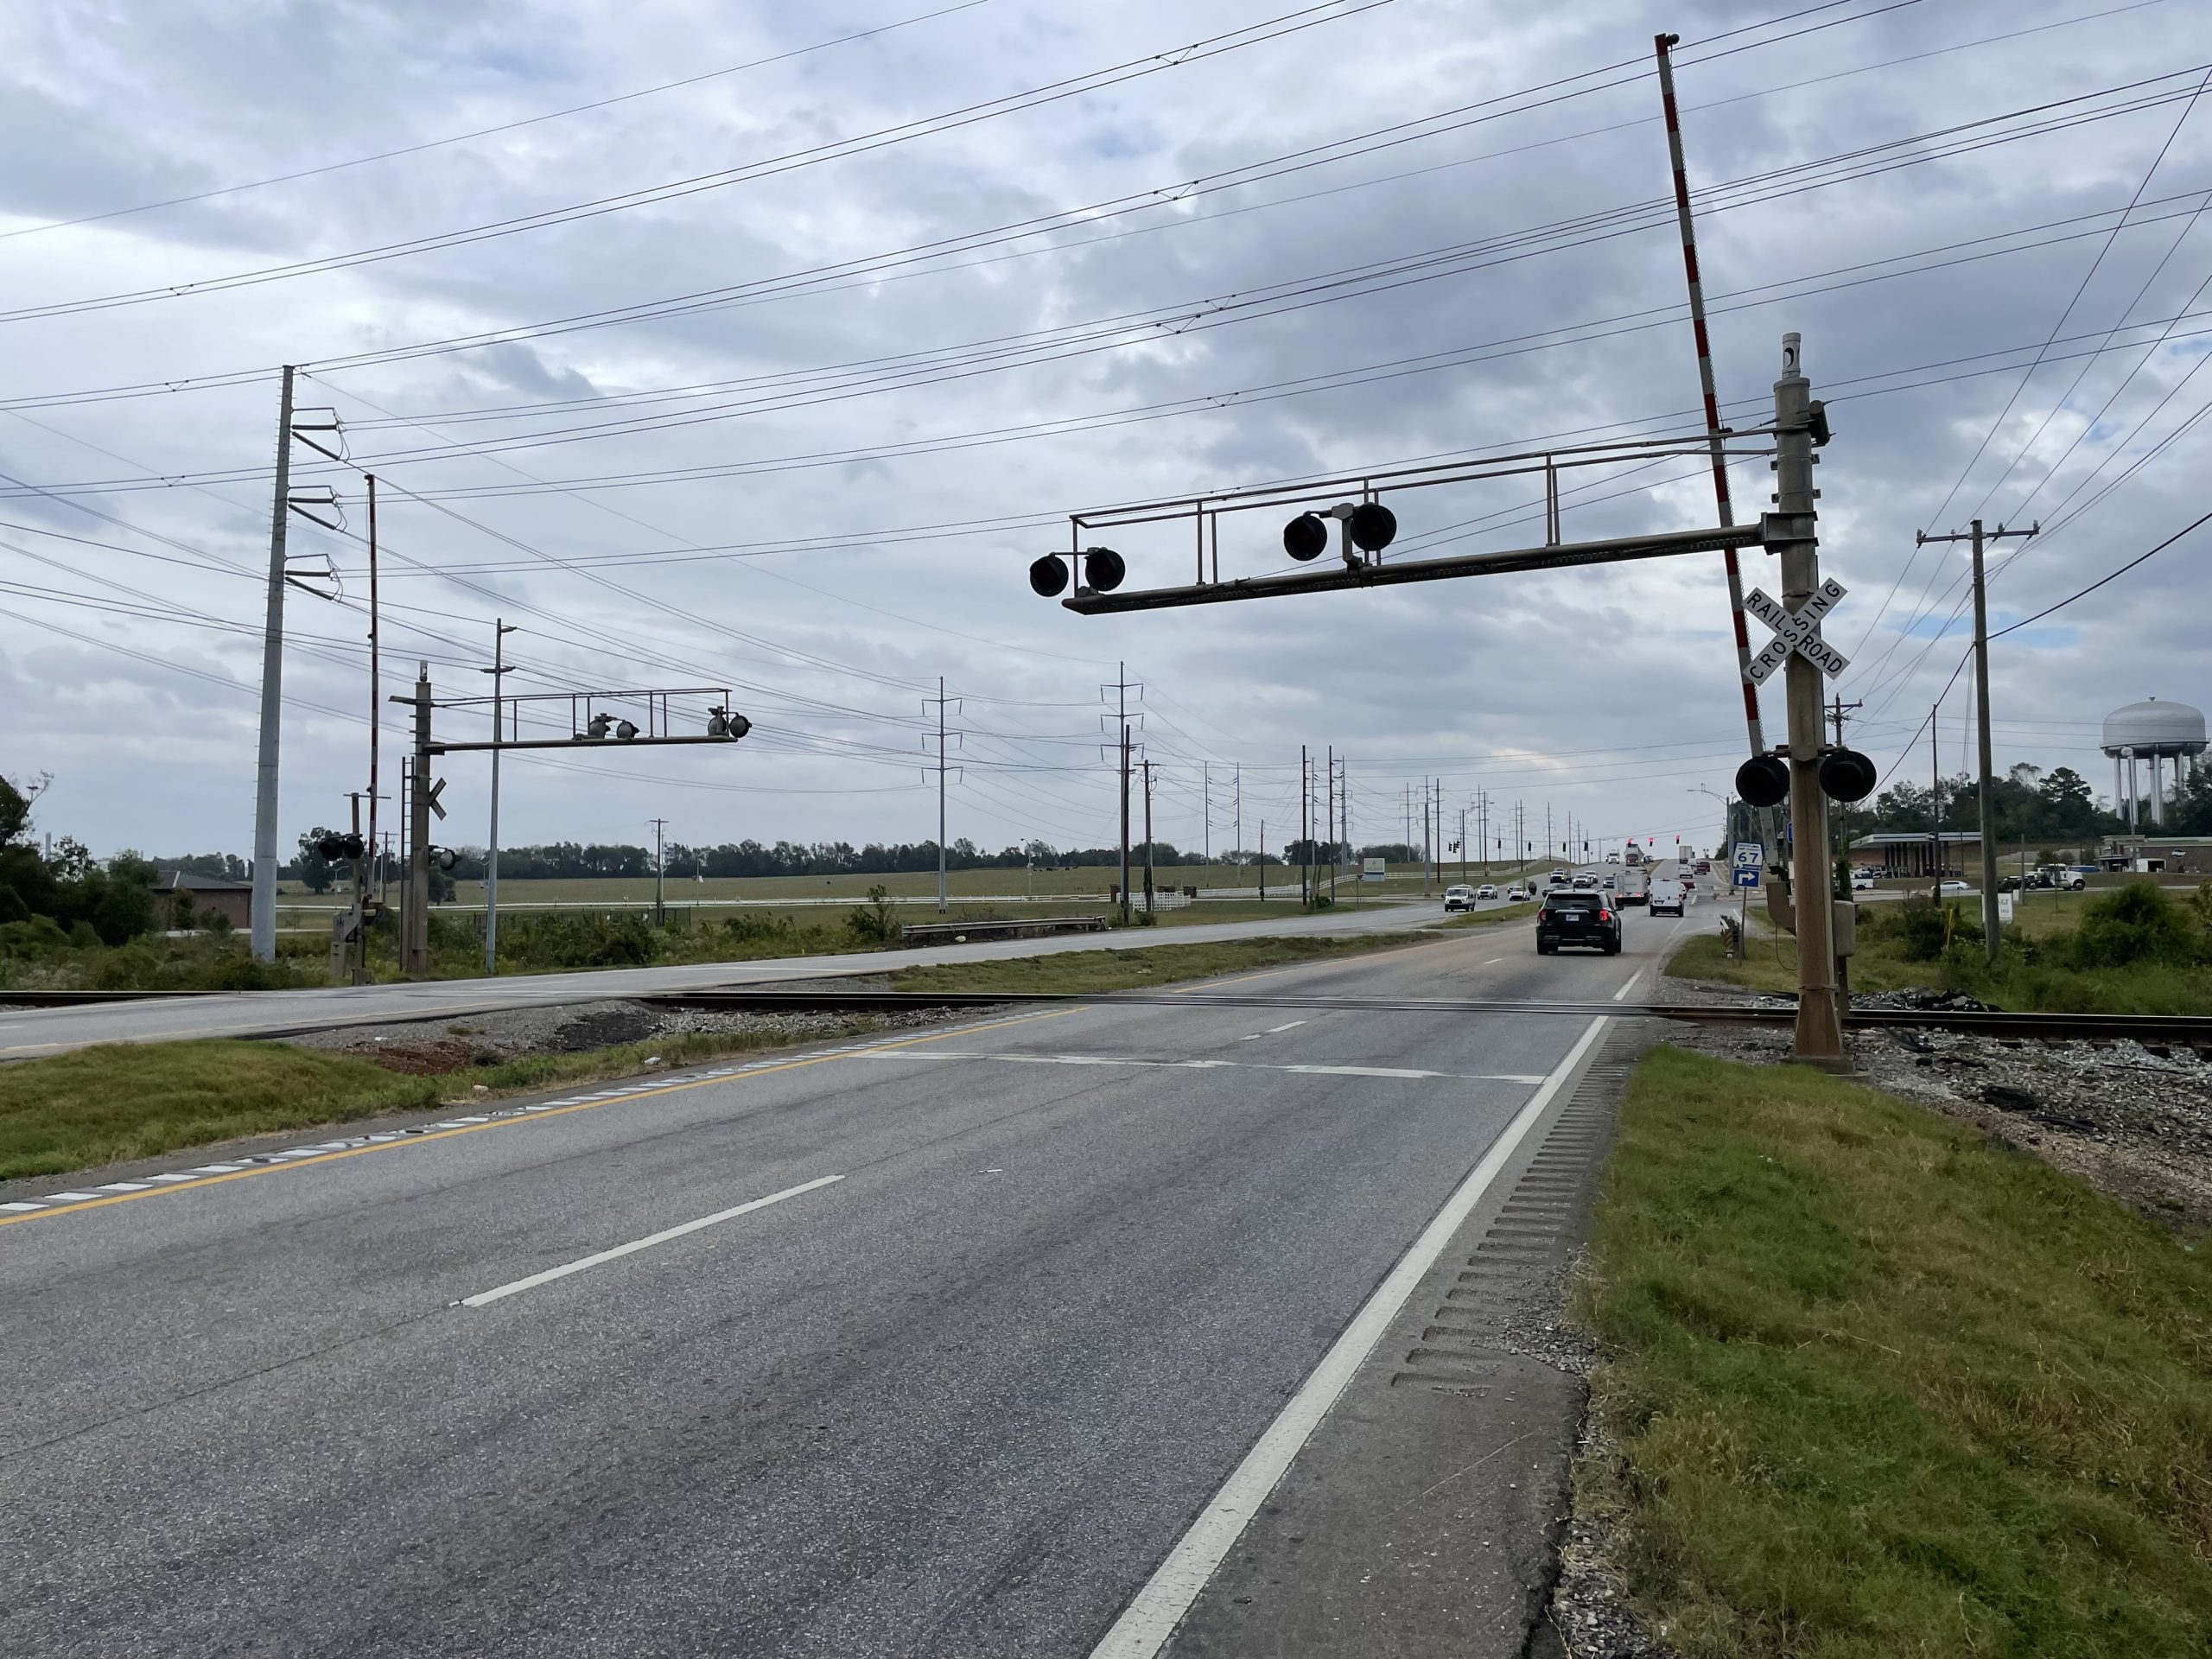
(1611, 693)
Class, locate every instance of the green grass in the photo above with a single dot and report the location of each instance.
(117, 1102)
(2045, 983)
(1489, 918)
(1883, 1388)
(1079, 972)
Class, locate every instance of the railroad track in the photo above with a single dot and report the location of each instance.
(2189, 1030)
(2186, 1030)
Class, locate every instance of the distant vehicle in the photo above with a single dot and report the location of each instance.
(1485, 891)
(1607, 884)
(1584, 882)
(1612, 858)
(1459, 897)
(1571, 918)
(2059, 875)
(1558, 877)
(1667, 898)
(1635, 857)
(1517, 894)
(1635, 886)
(1949, 887)
(1704, 867)
(1862, 880)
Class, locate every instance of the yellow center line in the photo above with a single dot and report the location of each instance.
(508, 1122)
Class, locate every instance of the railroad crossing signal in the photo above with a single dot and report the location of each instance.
(1798, 630)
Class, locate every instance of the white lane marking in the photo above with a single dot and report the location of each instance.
(483, 1297)
(1148, 1621)
(1206, 1066)
(1621, 996)
(1273, 1030)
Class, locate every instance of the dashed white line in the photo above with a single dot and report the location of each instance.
(483, 1297)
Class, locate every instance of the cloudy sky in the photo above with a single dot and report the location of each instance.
(764, 345)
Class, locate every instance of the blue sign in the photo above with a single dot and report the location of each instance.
(1747, 879)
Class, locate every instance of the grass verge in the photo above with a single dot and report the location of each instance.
(1880, 1387)
(1488, 917)
(1082, 971)
(117, 1102)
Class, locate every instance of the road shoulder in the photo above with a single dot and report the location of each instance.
(1424, 1515)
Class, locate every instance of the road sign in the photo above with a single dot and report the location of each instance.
(2004, 909)
(1376, 869)
(1750, 855)
(1798, 630)
(1748, 878)
(434, 791)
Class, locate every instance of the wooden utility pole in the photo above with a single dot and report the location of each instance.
(1981, 716)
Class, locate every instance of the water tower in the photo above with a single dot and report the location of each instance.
(2157, 732)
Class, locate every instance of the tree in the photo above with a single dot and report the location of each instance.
(315, 873)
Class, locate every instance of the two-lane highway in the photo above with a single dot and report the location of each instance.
(933, 1345)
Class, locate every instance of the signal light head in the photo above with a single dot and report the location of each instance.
(597, 729)
(1846, 775)
(444, 857)
(1102, 570)
(625, 731)
(330, 848)
(1305, 536)
(1764, 780)
(1371, 526)
(1048, 576)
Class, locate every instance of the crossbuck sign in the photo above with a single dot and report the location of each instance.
(1798, 630)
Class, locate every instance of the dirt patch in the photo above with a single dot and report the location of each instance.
(422, 1059)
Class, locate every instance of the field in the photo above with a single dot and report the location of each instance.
(816, 899)
(2150, 963)
(1881, 1386)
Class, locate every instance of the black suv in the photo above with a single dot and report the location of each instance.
(1571, 918)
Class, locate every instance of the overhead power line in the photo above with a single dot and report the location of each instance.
(515, 126)
(873, 268)
(1276, 28)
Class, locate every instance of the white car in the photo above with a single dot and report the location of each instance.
(1459, 897)
(1862, 881)
(1667, 898)
(1515, 895)
(1950, 887)
(1485, 891)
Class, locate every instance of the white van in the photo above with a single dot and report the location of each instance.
(1666, 898)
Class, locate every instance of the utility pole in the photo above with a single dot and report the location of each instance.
(376, 702)
(1240, 823)
(1206, 813)
(940, 700)
(415, 960)
(660, 873)
(1820, 1018)
(1147, 836)
(499, 670)
(1121, 689)
(1981, 718)
(1305, 835)
(1263, 861)
(264, 930)
(1329, 817)
(1936, 806)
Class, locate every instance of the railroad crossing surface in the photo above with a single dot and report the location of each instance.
(25, 1033)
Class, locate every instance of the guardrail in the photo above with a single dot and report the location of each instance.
(1019, 927)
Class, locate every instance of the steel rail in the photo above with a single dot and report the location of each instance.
(2177, 1028)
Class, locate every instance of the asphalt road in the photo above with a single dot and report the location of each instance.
(26, 1033)
(931, 1345)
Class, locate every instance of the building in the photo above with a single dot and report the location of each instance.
(1906, 853)
(210, 896)
(2159, 856)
